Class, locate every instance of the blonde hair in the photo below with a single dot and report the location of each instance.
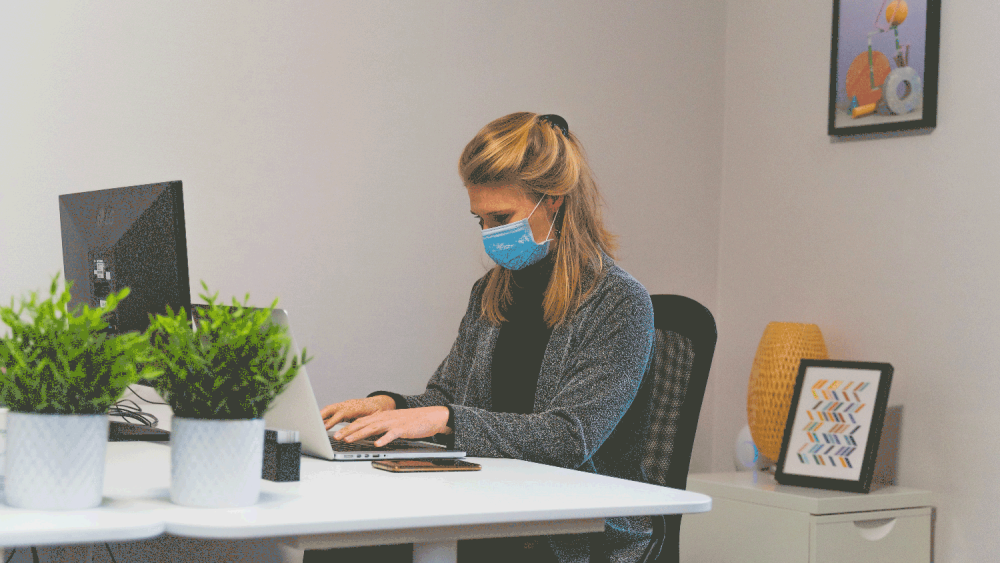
(533, 154)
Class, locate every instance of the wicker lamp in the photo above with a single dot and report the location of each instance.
(772, 380)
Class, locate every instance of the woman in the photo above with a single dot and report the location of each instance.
(555, 339)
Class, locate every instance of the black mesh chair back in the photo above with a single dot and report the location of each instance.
(674, 385)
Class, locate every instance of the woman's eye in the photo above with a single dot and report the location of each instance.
(496, 219)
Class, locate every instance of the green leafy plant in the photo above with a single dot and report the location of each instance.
(230, 365)
(57, 361)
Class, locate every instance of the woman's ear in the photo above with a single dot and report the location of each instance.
(554, 202)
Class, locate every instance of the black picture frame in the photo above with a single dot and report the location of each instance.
(907, 89)
(833, 443)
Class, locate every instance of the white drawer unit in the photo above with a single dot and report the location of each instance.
(755, 519)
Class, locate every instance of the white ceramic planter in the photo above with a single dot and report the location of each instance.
(216, 463)
(55, 461)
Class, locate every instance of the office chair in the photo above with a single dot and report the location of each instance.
(674, 384)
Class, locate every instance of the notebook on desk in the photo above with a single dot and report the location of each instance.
(296, 409)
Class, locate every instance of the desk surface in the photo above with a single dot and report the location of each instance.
(341, 498)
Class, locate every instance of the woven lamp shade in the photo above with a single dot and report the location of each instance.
(772, 380)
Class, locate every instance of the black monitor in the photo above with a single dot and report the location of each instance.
(127, 237)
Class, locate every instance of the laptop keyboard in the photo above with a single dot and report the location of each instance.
(368, 446)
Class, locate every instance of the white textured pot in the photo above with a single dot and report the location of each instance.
(55, 461)
(216, 463)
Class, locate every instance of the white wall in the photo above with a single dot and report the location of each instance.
(318, 144)
(890, 246)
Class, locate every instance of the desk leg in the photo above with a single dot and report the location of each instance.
(436, 552)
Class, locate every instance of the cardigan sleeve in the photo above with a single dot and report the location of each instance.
(607, 358)
(442, 389)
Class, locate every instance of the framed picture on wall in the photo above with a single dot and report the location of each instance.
(834, 425)
(884, 66)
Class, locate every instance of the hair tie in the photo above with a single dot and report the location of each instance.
(556, 121)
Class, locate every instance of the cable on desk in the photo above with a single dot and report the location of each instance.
(11, 556)
(113, 560)
(143, 399)
(133, 412)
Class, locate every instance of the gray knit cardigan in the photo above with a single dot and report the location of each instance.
(591, 371)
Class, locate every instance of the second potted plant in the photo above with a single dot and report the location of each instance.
(220, 375)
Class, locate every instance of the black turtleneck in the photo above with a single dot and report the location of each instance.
(520, 346)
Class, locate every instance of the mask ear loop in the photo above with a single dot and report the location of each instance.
(551, 225)
(536, 207)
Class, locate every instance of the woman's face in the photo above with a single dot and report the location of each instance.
(495, 206)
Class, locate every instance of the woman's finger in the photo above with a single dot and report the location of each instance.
(333, 419)
(345, 431)
(329, 410)
(359, 429)
(352, 428)
(389, 436)
(340, 415)
(331, 422)
(340, 410)
(345, 411)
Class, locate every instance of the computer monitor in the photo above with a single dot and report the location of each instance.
(127, 237)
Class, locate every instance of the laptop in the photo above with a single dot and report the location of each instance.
(296, 409)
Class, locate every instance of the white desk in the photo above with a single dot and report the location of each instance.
(341, 504)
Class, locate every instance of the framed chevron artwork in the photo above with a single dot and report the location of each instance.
(834, 424)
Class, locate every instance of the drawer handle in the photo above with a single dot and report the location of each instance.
(874, 530)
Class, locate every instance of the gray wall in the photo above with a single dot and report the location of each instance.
(318, 144)
(889, 246)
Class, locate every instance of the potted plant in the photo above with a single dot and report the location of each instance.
(220, 374)
(61, 371)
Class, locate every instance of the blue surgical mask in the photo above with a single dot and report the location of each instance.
(513, 246)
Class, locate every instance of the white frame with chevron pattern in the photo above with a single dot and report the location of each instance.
(833, 427)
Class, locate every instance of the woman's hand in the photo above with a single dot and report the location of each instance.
(356, 408)
(416, 423)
